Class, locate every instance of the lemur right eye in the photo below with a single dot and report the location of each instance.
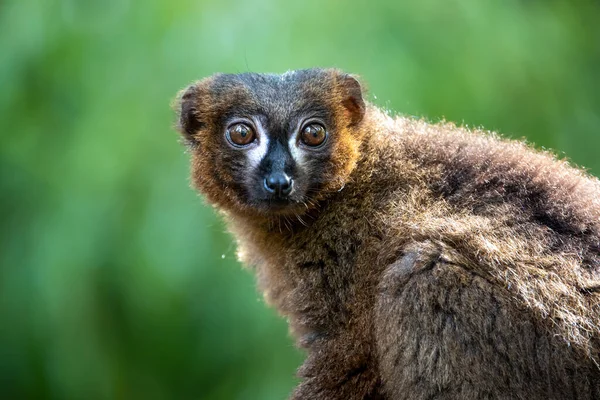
(240, 135)
(313, 135)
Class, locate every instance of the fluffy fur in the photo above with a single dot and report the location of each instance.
(433, 262)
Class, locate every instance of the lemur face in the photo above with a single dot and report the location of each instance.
(272, 143)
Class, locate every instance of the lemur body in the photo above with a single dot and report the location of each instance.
(416, 261)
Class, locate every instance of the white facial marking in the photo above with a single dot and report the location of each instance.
(297, 153)
(257, 153)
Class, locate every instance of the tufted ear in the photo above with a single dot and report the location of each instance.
(352, 98)
(188, 111)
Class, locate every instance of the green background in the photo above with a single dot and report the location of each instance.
(116, 281)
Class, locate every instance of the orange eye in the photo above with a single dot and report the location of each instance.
(240, 134)
(313, 135)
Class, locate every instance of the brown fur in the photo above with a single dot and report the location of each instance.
(452, 264)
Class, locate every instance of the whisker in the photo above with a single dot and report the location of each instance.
(301, 220)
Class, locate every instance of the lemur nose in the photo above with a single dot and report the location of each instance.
(278, 183)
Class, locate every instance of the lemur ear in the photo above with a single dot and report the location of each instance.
(353, 99)
(187, 108)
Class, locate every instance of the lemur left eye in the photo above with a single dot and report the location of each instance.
(240, 134)
(313, 135)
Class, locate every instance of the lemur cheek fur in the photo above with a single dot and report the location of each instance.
(412, 260)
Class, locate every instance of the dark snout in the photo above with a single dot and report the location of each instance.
(277, 168)
(278, 184)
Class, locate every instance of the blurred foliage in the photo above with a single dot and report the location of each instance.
(116, 281)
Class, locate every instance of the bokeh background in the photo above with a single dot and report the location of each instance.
(116, 281)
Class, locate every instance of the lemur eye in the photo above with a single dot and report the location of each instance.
(240, 134)
(313, 135)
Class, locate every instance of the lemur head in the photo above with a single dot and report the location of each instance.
(272, 144)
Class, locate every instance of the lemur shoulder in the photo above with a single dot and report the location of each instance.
(412, 260)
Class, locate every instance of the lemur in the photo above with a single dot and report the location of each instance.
(412, 260)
